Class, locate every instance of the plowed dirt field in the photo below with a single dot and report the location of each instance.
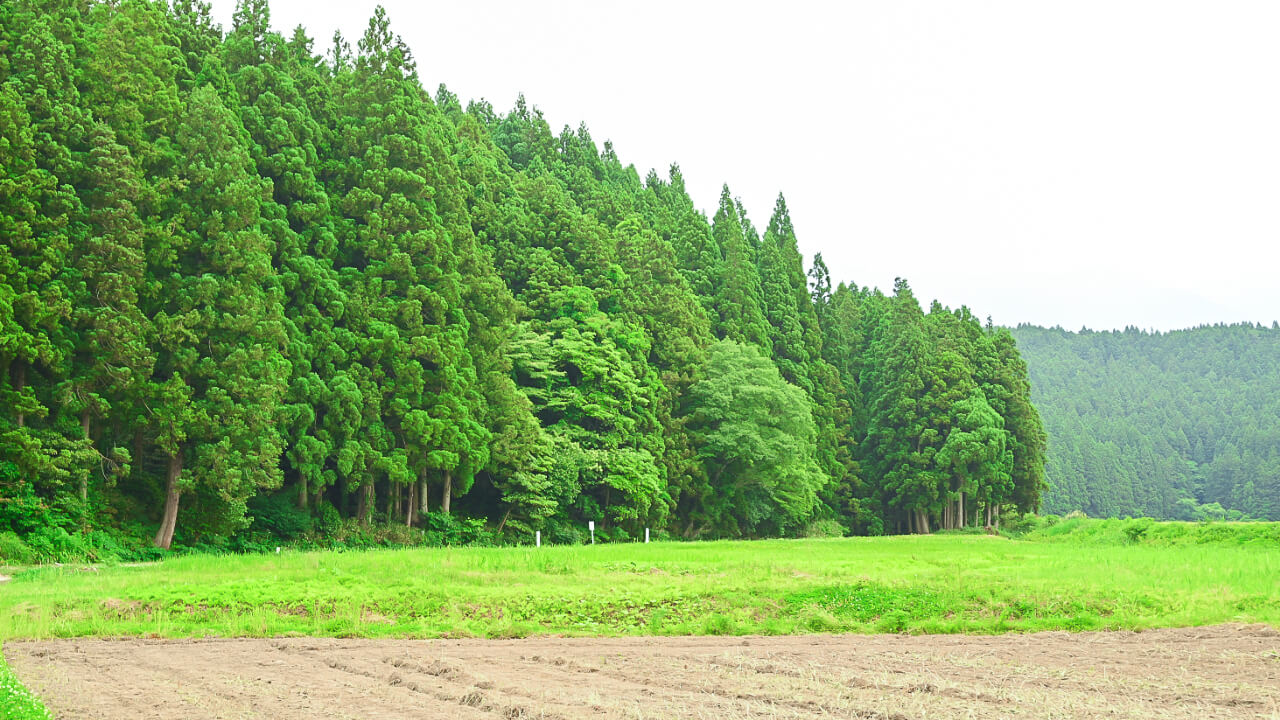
(1214, 672)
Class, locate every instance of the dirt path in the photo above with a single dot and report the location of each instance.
(1217, 672)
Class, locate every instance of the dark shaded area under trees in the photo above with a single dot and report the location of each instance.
(248, 287)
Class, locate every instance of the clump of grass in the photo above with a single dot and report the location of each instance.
(16, 701)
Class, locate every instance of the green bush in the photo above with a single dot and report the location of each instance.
(279, 516)
(454, 530)
(327, 519)
(53, 544)
(1135, 530)
(824, 528)
(15, 552)
(21, 510)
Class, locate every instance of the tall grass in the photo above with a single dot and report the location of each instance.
(948, 583)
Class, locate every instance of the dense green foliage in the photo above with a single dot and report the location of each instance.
(949, 583)
(251, 295)
(1177, 425)
(1145, 531)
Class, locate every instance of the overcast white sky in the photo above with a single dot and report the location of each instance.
(1095, 162)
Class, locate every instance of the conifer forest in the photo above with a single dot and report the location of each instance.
(1181, 425)
(243, 281)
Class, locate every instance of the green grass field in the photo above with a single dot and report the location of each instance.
(919, 584)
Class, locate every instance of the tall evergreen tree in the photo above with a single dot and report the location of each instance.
(220, 371)
(738, 296)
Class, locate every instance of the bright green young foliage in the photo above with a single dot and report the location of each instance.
(754, 433)
(577, 368)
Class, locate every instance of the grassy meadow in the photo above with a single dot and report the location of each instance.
(1094, 575)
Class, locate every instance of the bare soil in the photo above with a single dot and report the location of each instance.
(1214, 672)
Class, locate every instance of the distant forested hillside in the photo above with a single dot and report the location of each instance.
(250, 291)
(1182, 425)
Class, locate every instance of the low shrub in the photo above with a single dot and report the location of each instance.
(824, 529)
(15, 552)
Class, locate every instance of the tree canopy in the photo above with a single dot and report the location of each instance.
(241, 280)
(1178, 425)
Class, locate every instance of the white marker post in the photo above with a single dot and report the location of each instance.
(591, 525)
(646, 536)
(537, 538)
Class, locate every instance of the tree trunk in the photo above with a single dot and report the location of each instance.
(302, 491)
(84, 479)
(411, 512)
(20, 383)
(448, 492)
(988, 506)
(362, 502)
(164, 536)
(423, 496)
(960, 513)
(924, 521)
